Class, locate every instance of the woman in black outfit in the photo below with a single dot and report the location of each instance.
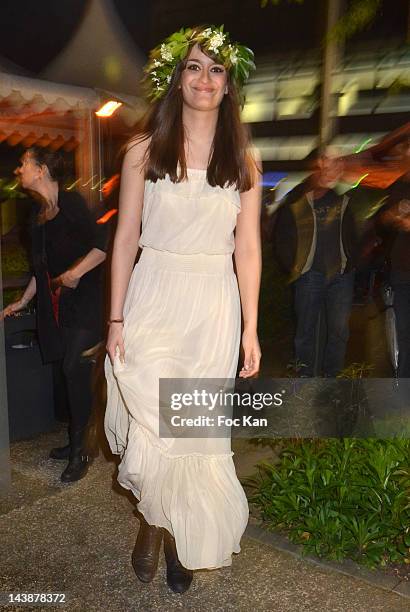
(68, 248)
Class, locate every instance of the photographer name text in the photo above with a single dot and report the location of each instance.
(219, 421)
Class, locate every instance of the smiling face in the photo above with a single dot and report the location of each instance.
(203, 81)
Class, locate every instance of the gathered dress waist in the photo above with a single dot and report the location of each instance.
(204, 263)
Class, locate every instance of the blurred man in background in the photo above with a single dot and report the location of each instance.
(316, 243)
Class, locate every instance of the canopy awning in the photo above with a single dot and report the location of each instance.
(35, 111)
(18, 89)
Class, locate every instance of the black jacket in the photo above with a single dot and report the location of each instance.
(294, 233)
(56, 246)
(395, 241)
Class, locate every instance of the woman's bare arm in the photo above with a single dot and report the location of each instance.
(248, 260)
(126, 239)
(29, 292)
(28, 295)
(71, 277)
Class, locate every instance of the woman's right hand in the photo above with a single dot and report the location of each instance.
(115, 342)
(11, 309)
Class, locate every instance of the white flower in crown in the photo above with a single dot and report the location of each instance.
(157, 63)
(216, 41)
(233, 55)
(165, 53)
(168, 78)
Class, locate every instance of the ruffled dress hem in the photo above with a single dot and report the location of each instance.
(192, 496)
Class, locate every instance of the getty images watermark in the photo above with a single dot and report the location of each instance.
(224, 400)
(203, 408)
(284, 408)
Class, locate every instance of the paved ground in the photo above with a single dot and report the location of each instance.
(78, 539)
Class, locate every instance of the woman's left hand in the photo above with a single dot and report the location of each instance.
(252, 354)
(66, 279)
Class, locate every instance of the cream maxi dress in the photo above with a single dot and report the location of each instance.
(182, 320)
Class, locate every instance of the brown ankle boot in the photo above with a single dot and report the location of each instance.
(146, 551)
(178, 577)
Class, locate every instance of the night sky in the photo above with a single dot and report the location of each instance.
(33, 32)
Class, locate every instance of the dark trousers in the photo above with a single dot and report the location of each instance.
(73, 376)
(401, 305)
(313, 291)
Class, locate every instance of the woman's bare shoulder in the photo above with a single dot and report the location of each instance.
(254, 163)
(254, 155)
(136, 149)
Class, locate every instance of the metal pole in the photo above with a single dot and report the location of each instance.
(330, 60)
(408, 25)
(5, 476)
(100, 161)
(327, 131)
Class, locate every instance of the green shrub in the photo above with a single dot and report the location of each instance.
(14, 260)
(11, 295)
(340, 498)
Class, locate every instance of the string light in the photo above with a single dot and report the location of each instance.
(72, 185)
(357, 183)
(362, 146)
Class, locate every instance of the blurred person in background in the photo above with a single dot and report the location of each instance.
(68, 249)
(315, 242)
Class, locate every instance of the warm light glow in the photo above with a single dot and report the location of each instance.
(108, 108)
(105, 218)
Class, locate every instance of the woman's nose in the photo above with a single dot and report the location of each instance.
(204, 76)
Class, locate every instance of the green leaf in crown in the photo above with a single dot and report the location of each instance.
(237, 59)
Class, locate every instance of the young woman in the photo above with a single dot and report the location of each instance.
(190, 178)
(68, 249)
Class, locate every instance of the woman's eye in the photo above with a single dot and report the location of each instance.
(193, 67)
(218, 69)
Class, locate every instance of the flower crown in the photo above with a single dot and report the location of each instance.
(163, 59)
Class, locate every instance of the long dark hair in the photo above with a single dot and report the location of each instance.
(231, 162)
(52, 159)
(56, 168)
